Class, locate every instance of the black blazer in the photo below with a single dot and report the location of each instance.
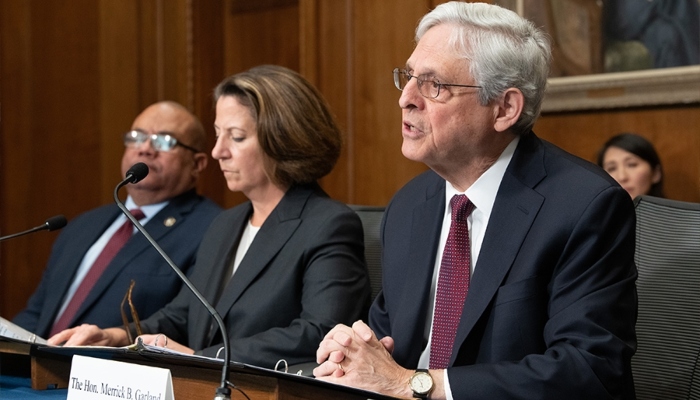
(303, 274)
(552, 304)
(156, 283)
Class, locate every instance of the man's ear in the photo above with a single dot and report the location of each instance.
(200, 162)
(508, 109)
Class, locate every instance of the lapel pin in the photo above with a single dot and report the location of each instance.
(170, 221)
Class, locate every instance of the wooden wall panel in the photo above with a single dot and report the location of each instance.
(324, 59)
(265, 35)
(208, 69)
(383, 40)
(675, 132)
(119, 96)
(49, 120)
(15, 188)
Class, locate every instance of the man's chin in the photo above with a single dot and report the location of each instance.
(144, 185)
(412, 151)
(142, 189)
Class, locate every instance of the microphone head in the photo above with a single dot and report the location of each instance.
(56, 222)
(137, 172)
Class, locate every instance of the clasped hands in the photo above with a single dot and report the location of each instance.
(353, 356)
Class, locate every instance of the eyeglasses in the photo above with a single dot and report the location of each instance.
(161, 141)
(431, 90)
(134, 314)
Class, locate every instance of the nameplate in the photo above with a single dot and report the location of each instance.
(95, 378)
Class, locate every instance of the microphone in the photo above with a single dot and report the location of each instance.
(135, 174)
(51, 224)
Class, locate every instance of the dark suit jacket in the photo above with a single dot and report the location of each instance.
(552, 304)
(156, 283)
(303, 273)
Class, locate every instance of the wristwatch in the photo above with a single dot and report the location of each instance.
(421, 383)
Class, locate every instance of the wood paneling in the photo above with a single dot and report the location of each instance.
(119, 96)
(49, 145)
(380, 167)
(208, 69)
(324, 59)
(674, 131)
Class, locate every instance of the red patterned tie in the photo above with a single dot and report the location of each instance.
(453, 284)
(116, 242)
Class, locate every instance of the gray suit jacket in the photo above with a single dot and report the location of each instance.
(303, 274)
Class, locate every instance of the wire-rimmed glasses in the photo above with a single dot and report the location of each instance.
(427, 87)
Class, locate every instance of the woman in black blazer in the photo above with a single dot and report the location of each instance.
(284, 267)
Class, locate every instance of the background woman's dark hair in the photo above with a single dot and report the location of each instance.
(640, 147)
(297, 132)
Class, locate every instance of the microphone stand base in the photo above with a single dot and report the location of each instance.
(223, 393)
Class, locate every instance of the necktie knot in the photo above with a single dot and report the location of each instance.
(461, 207)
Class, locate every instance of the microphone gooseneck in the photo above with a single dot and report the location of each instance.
(51, 224)
(135, 174)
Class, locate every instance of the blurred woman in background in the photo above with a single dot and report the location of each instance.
(633, 162)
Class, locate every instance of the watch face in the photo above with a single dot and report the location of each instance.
(421, 383)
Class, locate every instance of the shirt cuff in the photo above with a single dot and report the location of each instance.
(448, 389)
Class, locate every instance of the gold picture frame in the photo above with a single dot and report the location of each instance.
(663, 86)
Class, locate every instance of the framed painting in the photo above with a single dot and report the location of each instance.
(623, 53)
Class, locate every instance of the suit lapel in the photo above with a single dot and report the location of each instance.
(158, 226)
(85, 238)
(210, 286)
(225, 255)
(514, 211)
(273, 234)
(425, 235)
